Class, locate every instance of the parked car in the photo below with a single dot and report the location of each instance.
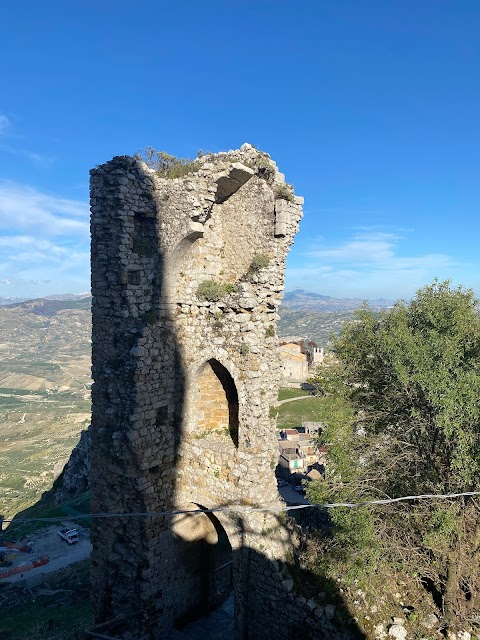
(300, 488)
(281, 483)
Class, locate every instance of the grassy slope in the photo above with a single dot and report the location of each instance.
(62, 615)
(284, 394)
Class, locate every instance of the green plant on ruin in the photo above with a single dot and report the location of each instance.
(166, 165)
(244, 349)
(218, 320)
(284, 192)
(212, 291)
(270, 331)
(273, 411)
(143, 247)
(264, 169)
(259, 261)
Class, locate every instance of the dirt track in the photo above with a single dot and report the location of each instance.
(47, 542)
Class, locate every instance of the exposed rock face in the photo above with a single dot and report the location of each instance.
(75, 478)
(187, 276)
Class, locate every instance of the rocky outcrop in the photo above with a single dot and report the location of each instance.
(75, 477)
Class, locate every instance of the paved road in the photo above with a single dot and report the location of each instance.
(291, 496)
(217, 625)
(293, 399)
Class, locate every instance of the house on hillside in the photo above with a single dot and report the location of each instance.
(293, 362)
(298, 452)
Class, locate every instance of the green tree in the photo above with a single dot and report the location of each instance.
(414, 376)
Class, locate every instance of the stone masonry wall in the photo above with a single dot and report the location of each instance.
(167, 364)
(211, 406)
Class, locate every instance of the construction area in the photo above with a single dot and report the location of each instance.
(41, 553)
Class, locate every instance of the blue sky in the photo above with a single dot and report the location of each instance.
(370, 107)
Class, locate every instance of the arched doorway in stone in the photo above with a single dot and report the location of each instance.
(216, 402)
(205, 560)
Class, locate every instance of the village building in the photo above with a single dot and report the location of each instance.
(299, 358)
(293, 362)
(298, 451)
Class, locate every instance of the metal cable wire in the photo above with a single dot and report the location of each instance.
(243, 509)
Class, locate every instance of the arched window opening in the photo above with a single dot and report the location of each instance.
(217, 402)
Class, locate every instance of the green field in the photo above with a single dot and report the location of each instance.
(284, 394)
(327, 409)
(291, 414)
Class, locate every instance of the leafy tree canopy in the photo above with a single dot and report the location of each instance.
(412, 376)
(416, 371)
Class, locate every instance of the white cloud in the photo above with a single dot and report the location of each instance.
(37, 159)
(368, 265)
(4, 123)
(23, 208)
(378, 250)
(44, 239)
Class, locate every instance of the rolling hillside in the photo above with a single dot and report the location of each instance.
(45, 381)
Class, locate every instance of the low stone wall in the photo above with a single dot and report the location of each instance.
(279, 612)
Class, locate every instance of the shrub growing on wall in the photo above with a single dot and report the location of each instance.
(214, 291)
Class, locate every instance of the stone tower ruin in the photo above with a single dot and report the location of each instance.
(187, 276)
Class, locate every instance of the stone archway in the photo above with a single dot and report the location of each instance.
(204, 553)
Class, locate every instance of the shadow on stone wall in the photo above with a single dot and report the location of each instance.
(272, 599)
(160, 571)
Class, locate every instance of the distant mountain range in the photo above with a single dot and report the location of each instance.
(5, 301)
(56, 297)
(298, 300)
(302, 313)
(302, 300)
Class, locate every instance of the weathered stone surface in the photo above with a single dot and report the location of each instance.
(230, 181)
(75, 478)
(397, 631)
(183, 385)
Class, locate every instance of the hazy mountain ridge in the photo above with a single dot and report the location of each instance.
(316, 317)
(314, 325)
(301, 299)
(11, 300)
(50, 306)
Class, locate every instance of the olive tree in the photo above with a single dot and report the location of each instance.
(414, 377)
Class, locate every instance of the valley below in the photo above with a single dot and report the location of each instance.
(44, 395)
(45, 381)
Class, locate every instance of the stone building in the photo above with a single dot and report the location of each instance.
(187, 276)
(293, 361)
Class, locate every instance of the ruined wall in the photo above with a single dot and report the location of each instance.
(183, 386)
